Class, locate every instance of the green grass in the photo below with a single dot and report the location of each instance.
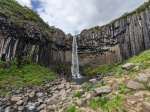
(142, 59)
(77, 94)
(31, 74)
(72, 109)
(112, 105)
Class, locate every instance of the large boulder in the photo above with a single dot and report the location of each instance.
(135, 85)
(142, 77)
(146, 107)
(128, 66)
(16, 98)
(103, 89)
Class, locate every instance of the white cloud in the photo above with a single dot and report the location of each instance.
(25, 3)
(75, 15)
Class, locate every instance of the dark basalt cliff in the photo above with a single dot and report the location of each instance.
(118, 40)
(23, 33)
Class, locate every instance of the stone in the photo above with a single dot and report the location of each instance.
(108, 96)
(50, 101)
(142, 93)
(99, 110)
(142, 77)
(15, 98)
(39, 94)
(40, 100)
(92, 81)
(103, 89)
(30, 106)
(135, 85)
(44, 110)
(128, 66)
(41, 107)
(88, 96)
(145, 107)
(80, 102)
(37, 104)
(148, 85)
(115, 87)
(7, 109)
(32, 94)
(61, 86)
(20, 108)
(19, 102)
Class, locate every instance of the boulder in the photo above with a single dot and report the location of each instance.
(20, 108)
(148, 85)
(99, 110)
(19, 102)
(128, 66)
(16, 98)
(103, 89)
(43, 106)
(32, 94)
(92, 81)
(146, 107)
(61, 86)
(142, 77)
(135, 85)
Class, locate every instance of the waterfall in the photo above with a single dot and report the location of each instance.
(75, 64)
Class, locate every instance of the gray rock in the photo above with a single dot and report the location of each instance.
(20, 108)
(103, 89)
(39, 94)
(115, 87)
(61, 86)
(99, 110)
(92, 81)
(30, 106)
(148, 85)
(16, 98)
(128, 66)
(32, 94)
(146, 107)
(135, 85)
(50, 101)
(19, 102)
(108, 96)
(41, 107)
(142, 77)
(80, 102)
(7, 109)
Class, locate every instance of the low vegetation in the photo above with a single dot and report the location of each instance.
(29, 74)
(141, 59)
(23, 15)
(112, 105)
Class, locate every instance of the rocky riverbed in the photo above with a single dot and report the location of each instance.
(59, 95)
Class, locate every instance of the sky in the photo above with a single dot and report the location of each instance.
(73, 16)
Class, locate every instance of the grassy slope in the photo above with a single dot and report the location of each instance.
(116, 67)
(20, 14)
(15, 77)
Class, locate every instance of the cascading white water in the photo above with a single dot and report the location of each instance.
(75, 64)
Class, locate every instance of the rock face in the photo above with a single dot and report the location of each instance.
(113, 42)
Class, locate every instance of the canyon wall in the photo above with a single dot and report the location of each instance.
(115, 41)
(18, 41)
